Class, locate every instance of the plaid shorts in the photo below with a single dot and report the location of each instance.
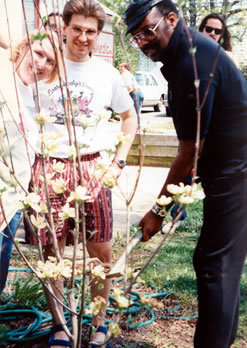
(98, 211)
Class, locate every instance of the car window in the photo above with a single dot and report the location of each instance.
(139, 79)
(147, 80)
(150, 80)
(153, 81)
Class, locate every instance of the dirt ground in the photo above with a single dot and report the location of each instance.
(160, 334)
(163, 332)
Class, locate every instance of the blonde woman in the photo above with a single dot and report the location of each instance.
(41, 58)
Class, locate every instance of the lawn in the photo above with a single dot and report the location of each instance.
(171, 272)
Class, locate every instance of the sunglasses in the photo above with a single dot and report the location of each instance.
(209, 29)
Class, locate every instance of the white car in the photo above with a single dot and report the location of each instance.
(154, 92)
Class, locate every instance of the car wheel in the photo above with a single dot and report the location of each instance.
(160, 107)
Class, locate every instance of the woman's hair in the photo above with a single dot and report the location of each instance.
(52, 37)
(225, 39)
(87, 8)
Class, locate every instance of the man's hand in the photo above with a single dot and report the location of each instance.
(150, 225)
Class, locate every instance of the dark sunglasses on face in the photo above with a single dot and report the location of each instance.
(209, 29)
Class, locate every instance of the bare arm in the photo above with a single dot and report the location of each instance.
(129, 125)
(179, 172)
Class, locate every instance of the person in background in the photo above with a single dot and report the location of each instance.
(214, 26)
(19, 128)
(55, 23)
(220, 253)
(132, 86)
(94, 87)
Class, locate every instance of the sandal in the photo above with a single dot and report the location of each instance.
(95, 344)
(54, 342)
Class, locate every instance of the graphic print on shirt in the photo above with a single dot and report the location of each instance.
(80, 104)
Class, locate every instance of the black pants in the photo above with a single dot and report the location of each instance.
(218, 260)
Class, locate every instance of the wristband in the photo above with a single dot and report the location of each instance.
(157, 210)
(121, 163)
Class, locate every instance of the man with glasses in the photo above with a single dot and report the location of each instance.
(221, 249)
(94, 86)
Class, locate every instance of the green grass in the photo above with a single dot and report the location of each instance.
(172, 270)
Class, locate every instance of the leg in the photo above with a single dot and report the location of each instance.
(98, 217)
(139, 99)
(6, 245)
(218, 262)
(57, 203)
(134, 98)
(103, 252)
(57, 288)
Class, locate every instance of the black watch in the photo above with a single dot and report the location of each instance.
(121, 163)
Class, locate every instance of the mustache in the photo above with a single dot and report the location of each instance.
(149, 46)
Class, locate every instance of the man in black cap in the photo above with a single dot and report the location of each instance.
(221, 250)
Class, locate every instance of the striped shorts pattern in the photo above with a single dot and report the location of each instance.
(98, 211)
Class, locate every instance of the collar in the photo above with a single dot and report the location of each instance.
(175, 49)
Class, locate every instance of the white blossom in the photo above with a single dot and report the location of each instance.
(98, 272)
(51, 142)
(59, 185)
(96, 305)
(53, 269)
(163, 200)
(58, 167)
(184, 199)
(72, 151)
(174, 189)
(79, 195)
(38, 221)
(32, 200)
(121, 300)
(67, 212)
(114, 329)
(44, 117)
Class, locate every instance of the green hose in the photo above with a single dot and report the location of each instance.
(41, 319)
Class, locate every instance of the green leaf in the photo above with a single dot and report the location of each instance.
(39, 36)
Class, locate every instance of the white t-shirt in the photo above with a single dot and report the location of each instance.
(93, 86)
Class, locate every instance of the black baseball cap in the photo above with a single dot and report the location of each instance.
(136, 11)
